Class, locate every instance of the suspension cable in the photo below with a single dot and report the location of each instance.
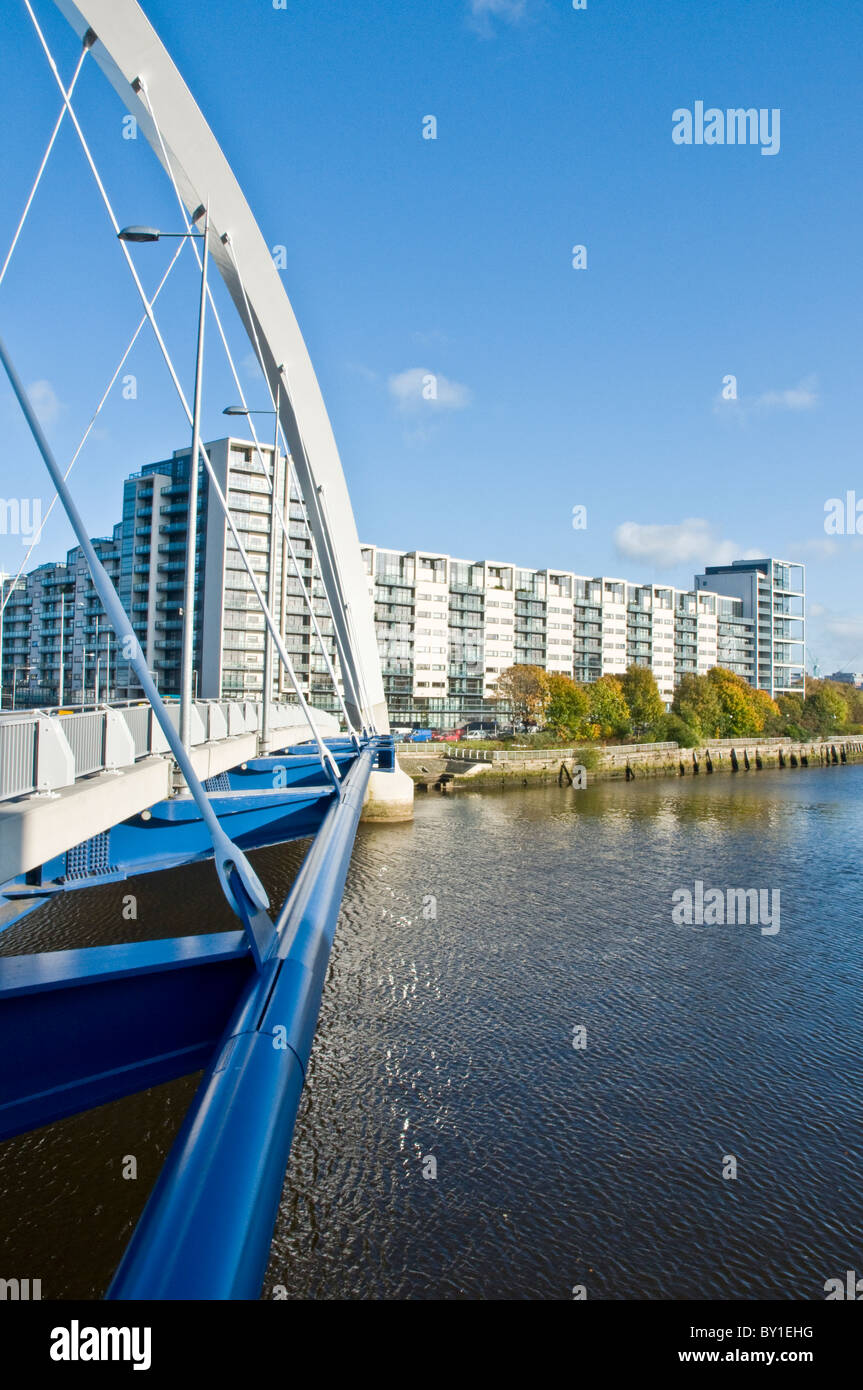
(235, 374)
(240, 884)
(309, 597)
(327, 759)
(55, 132)
(346, 665)
(86, 435)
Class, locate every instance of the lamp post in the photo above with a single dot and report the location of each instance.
(271, 567)
(147, 234)
(96, 667)
(2, 620)
(61, 687)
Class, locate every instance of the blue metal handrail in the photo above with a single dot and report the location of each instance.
(205, 1232)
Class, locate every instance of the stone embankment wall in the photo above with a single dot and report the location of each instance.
(429, 766)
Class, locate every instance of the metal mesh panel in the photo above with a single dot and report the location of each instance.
(86, 735)
(17, 757)
(138, 723)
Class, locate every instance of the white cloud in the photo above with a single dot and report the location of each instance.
(692, 541)
(833, 640)
(825, 547)
(417, 388)
(361, 370)
(846, 628)
(45, 402)
(509, 10)
(803, 396)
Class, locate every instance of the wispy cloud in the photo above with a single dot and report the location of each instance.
(834, 640)
(803, 396)
(45, 401)
(483, 13)
(432, 338)
(685, 542)
(363, 372)
(418, 388)
(251, 367)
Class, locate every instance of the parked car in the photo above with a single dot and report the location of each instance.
(446, 736)
(477, 734)
(419, 736)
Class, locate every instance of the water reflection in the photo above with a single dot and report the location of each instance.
(450, 1036)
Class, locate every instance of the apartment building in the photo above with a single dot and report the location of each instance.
(56, 644)
(229, 630)
(447, 628)
(773, 594)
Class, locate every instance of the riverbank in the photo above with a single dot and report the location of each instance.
(450, 769)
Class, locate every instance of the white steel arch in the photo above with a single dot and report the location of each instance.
(129, 52)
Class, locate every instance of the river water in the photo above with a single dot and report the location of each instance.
(452, 1142)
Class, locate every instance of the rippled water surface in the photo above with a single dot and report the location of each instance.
(472, 942)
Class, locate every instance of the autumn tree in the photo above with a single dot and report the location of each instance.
(524, 690)
(743, 710)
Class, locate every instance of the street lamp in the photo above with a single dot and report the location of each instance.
(62, 688)
(271, 568)
(2, 619)
(147, 234)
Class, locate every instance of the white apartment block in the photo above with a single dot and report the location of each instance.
(447, 628)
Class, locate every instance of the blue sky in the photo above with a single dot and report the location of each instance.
(453, 257)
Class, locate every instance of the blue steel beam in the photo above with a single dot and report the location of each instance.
(80, 1028)
(205, 1232)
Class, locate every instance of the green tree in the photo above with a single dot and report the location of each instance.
(609, 713)
(646, 705)
(568, 707)
(743, 710)
(825, 709)
(723, 705)
(672, 729)
(697, 702)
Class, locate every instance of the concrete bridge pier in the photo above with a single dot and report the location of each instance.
(389, 798)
